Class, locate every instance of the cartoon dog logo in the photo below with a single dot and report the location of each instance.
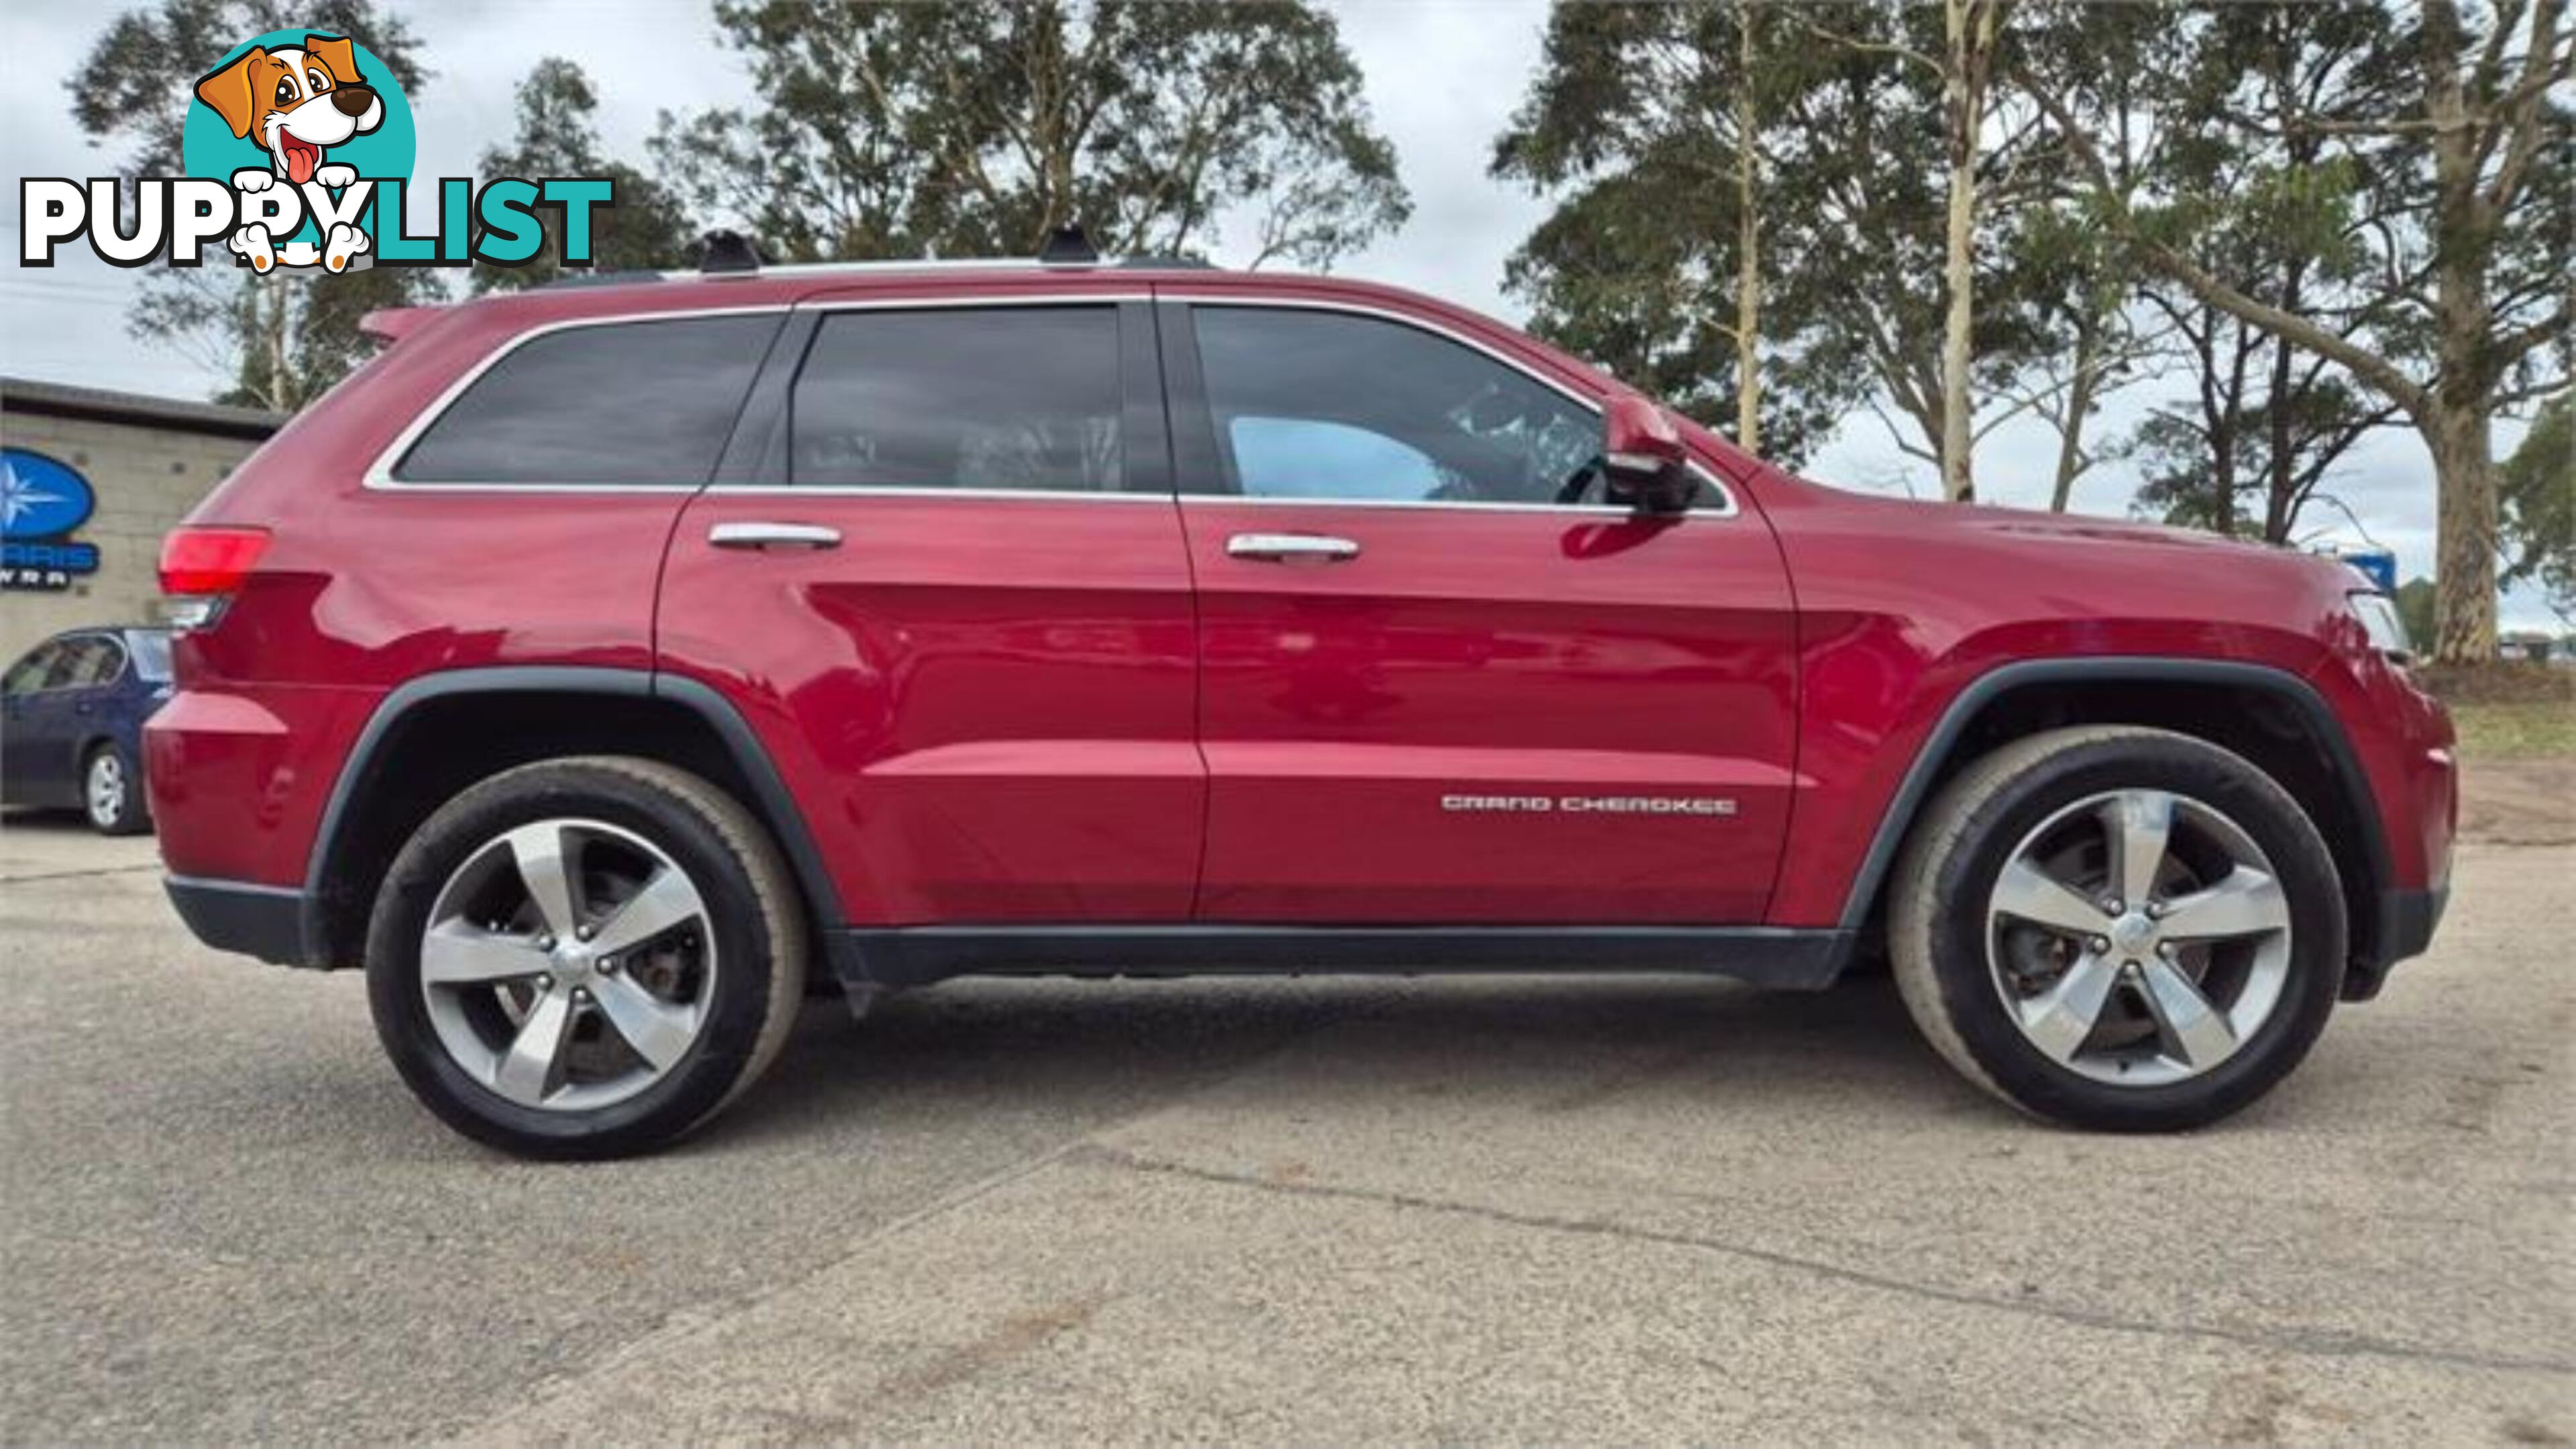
(294, 102)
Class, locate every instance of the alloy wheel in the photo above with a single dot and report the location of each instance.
(568, 964)
(104, 789)
(2138, 937)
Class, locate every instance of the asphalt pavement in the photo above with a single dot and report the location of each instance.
(1636, 1209)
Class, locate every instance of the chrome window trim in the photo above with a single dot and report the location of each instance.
(1202, 298)
(379, 475)
(861, 490)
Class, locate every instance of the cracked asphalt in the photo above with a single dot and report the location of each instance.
(1323, 1210)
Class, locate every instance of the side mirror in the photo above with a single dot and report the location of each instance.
(1643, 462)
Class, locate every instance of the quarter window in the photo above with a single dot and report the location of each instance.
(1005, 398)
(1312, 404)
(631, 403)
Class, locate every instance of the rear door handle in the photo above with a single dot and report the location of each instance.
(773, 535)
(1283, 547)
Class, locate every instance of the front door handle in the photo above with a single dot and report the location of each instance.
(1283, 547)
(773, 535)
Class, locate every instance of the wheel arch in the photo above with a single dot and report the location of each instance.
(441, 732)
(2271, 717)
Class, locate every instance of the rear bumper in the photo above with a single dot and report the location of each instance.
(255, 920)
(2407, 920)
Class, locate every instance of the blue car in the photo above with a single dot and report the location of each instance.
(72, 712)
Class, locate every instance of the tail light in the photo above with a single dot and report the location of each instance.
(203, 567)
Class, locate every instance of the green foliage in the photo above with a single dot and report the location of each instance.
(1630, 119)
(2213, 119)
(1630, 126)
(897, 129)
(2538, 488)
(558, 137)
(283, 338)
(2415, 607)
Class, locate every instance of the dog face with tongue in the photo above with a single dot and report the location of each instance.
(296, 100)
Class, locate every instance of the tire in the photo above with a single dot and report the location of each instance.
(715, 990)
(1977, 976)
(112, 791)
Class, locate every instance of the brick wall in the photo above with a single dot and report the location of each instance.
(145, 477)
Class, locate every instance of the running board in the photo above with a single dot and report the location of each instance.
(1804, 960)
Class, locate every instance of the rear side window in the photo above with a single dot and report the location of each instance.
(626, 403)
(1007, 398)
(103, 661)
(152, 657)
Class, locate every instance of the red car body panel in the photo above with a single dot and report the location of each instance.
(1375, 730)
(1010, 709)
(986, 706)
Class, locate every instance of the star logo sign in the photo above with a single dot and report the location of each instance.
(20, 496)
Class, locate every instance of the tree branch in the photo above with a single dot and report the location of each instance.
(2363, 363)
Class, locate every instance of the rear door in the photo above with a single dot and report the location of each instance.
(1432, 692)
(942, 574)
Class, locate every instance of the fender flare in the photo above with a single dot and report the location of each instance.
(1898, 819)
(771, 799)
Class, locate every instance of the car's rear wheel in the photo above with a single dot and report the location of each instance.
(586, 957)
(2118, 928)
(112, 793)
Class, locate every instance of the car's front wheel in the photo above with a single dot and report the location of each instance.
(585, 957)
(2118, 928)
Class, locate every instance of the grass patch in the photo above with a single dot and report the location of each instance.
(2531, 730)
(2508, 711)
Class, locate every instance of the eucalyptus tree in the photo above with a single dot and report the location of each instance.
(2444, 161)
(285, 337)
(894, 129)
(558, 135)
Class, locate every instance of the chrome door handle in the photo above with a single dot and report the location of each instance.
(1281, 547)
(773, 535)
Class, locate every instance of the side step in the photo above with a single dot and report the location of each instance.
(1803, 960)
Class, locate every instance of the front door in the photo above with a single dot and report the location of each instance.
(1432, 693)
(28, 736)
(947, 587)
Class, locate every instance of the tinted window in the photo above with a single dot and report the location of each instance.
(1327, 405)
(101, 661)
(1024, 398)
(29, 672)
(633, 402)
(73, 659)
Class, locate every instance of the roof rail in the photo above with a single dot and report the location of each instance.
(591, 278)
(730, 254)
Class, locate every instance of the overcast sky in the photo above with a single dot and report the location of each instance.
(1443, 76)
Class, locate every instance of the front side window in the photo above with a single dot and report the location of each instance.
(1325, 405)
(633, 403)
(1016, 398)
(28, 674)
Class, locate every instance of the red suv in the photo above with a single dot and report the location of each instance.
(599, 663)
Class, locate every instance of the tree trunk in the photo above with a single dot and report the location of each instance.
(1968, 28)
(2457, 410)
(2464, 598)
(2079, 401)
(1748, 244)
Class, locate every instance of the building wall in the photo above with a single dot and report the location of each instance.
(146, 478)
